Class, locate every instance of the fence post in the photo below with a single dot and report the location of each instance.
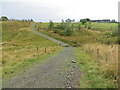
(37, 52)
(51, 50)
(45, 49)
(97, 52)
(106, 59)
(89, 48)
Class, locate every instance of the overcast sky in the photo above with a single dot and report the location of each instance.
(55, 10)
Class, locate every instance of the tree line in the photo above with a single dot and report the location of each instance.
(4, 18)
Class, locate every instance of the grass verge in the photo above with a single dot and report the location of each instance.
(92, 76)
(26, 64)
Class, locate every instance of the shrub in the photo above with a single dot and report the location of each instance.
(4, 18)
(51, 25)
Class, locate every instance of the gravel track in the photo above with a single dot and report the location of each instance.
(58, 71)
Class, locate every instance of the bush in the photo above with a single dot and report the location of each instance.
(51, 25)
(55, 30)
(83, 21)
(68, 31)
(4, 18)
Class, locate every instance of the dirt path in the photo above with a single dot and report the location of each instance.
(58, 71)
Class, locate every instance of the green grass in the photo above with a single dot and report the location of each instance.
(45, 25)
(94, 26)
(92, 76)
(84, 36)
(20, 47)
(104, 26)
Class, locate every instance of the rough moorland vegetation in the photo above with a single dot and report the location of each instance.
(21, 47)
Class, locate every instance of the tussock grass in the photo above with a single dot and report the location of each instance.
(96, 73)
(106, 57)
(104, 26)
(104, 52)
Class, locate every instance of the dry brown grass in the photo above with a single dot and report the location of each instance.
(12, 56)
(107, 56)
(104, 52)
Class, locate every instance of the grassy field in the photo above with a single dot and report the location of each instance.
(84, 37)
(104, 26)
(22, 48)
(94, 26)
(102, 33)
(45, 25)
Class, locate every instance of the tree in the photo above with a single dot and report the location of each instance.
(68, 21)
(83, 21)
(89, 25)
(88, 20)
(79, 27)
(72, 26)
(4, 18)
(68, 31)
(73, 20)
(51, 25)
(31, 20)
(85, 25)
(62, 21)
(62, 25)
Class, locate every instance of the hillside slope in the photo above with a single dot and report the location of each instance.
(22, 48)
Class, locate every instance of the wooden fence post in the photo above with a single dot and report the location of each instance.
(37, 52)
(106, 59)
(89, 48)
(51, 50)
(45, 49)
(97, 52)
